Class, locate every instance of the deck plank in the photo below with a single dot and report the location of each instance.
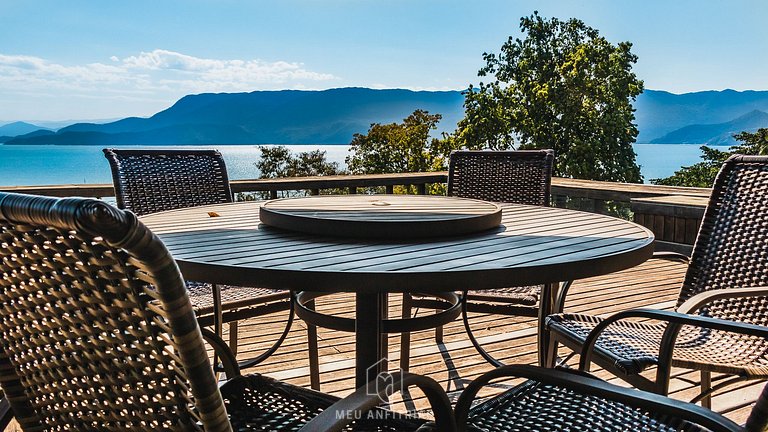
(454, 363)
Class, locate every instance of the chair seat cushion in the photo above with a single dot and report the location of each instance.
(232, 297)
(533, 406)
(633, 347)
(521, 295)
(258, 403)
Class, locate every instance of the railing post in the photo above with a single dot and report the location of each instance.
(273, 194)
(421, 188)
(352, 190)
(390, 189)
(314, 191)
(600, 206)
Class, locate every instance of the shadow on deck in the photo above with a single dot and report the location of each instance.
(454, 363)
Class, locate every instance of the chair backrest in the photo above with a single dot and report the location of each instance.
(149, 181)
(96, 329)
(731, 249)
(520, 177)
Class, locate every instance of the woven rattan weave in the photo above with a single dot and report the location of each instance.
(151, 181)
(93, 310)
(563, 400)
(97, 333)
(725, 279)
(520, 177)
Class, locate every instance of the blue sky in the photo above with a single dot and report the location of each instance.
(75, 59)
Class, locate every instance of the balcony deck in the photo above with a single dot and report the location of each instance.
(454, 363)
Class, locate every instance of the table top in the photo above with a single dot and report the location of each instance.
(381, 216)
(227, 243)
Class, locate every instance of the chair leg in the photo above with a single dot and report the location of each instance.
(551, 353)
(405, 337)
(271, 350)
(439, 334)
(314, 354)
(218, 317)
(706, 386)
(233, 337)
(464, 314)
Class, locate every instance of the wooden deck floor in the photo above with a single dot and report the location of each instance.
(454, 363)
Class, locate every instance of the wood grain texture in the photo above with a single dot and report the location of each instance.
(381, 216)
(533, 245)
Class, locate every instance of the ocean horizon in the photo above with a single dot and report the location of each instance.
(31, 165)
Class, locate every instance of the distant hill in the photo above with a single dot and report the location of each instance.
(718, 133)
(334, 116)
(264, 117)
(18, 128)
(660, 112)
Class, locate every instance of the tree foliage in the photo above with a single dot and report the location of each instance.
(563, 87)
(278, 162)
(399, 147)
(752, 143)
(703, 174)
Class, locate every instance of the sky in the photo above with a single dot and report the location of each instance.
(87, 60)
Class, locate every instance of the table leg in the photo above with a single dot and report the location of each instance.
(368, 337)
(546, 304)
(384, 337)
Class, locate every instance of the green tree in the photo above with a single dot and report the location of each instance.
(398, 147)
(562, 87)
(278, 161)
(752, 143)
(703, 174)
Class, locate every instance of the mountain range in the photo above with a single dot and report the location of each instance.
(659, 112)
(718, 133)
(334, 116)
(277, 117)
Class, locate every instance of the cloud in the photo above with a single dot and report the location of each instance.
(156, 71)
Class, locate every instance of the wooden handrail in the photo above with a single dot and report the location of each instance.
(342, 181)
(608, 191)
(672, 213)
(588, 189)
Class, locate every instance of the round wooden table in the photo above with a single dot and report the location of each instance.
(228, 244)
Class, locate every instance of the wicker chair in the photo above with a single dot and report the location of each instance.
(726, 278)
(98, 333)
(521, 177)
(565, 400)
(151, 181)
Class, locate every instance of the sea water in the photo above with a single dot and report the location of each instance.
(49, 164)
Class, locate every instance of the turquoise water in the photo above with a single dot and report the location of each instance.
(45, 165)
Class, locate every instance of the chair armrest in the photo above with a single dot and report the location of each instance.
(673, 256)
(336, 417)
(696, 302)
(228, 360)
(592, 386)
(677, 320)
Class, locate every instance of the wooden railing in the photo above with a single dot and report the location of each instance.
(672, 213)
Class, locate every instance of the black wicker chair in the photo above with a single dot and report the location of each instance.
(727, 278)
(565, 400)
(521, 177)
(97, 333)
(151, 181)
